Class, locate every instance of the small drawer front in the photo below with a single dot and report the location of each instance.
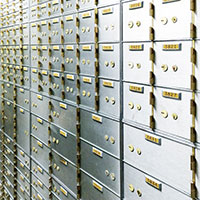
(64, 171)
(92, 189)
(70, 28)
(172, 63)
(136, 20)
(87, 26)
(64, 115)
(87, 59)
(139, 147)
(109, 24)
(136, 62)
(42, 189)
(60, 192)
(109, 61)
(170, 22)
(40, 152)
(23, 134)
(39, 128)
(64, 143)
(39, 105)
(100, 131)
(87, 91)
(23, 97)
(140, 185)
(137, 106)
(40, 172)
(108, 170)
(109, 93)
(70, 87)
(70, 59)
(173, 107)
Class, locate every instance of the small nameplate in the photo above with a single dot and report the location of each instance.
(171, 95)
(97, 186)
(97, 152)
(153, 139)
(136, 47)
(136, 5)
(171, 47)
(97, 118)
(136, 89)
(153, 183)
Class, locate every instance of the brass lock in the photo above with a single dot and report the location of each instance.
(175, 68)
(112, 176)
(112, 64)
(106, 137)
(84, 93)
(138, 23)
(112, 100)
(131, 65)
(164, 20)
(138, 107)
(174, 19)
(164, 67)
(107, 173)
(88, 94)
(130, 24)
(139, 152)
(139, 193)
(131, 147)
(131, 105)
(175, 116)
(138, 65)
(112, 140)
(107, 99)
(164, 113)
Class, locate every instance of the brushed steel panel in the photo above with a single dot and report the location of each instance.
(136, 104)
(109, 24)
(23, 133)
(89, 192)
(69, 6)
(86, 26)
(136, 63)
(87, 91)
(71, 91)
(102, 166)
(165, 157)
(23, 97)
(60, 192)
(40, 172)
(41, 188)
(109, 61)
(109, 96)
(70, 59)
(87, 59)
(40, 152)
(136, 179)
(101, 131)
(64, 171)
(167, 107)
(70, 27)
(55, 58)
(39, 129)
(173, 65)
(136, 22)
(64, 143)
(39, 105)
(166, 27)
(64, 115)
